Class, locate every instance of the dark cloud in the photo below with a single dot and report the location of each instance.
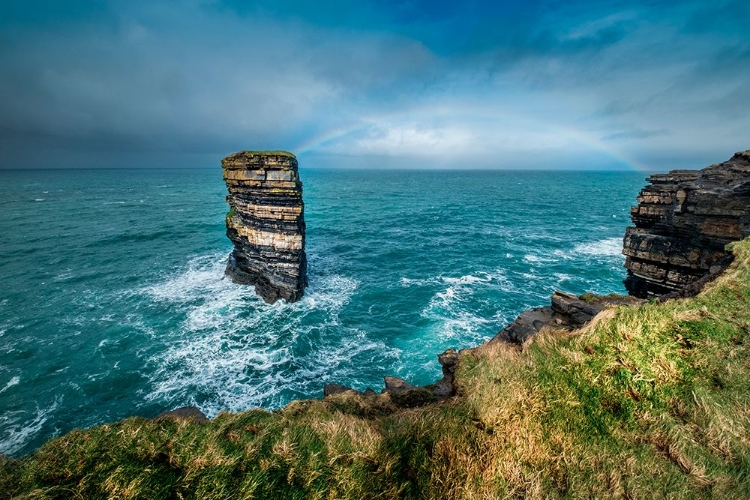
(175, 84)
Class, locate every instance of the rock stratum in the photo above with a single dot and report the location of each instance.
(683, 221)
(565, 312)
(266, 223)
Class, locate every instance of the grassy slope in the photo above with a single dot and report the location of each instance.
(647, 402)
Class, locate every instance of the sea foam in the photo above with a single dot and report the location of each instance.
(232, 351)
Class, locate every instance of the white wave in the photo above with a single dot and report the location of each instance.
(535, 258)
(203, 277)
(609, 247)
(458, 290)
(406, 282)
(63, 276)
(233, 352)
(38, 199)
(462, 325)
(18, 429)
(469, 279)
(13, 381)
(452, 308)
(559, 254)
(562, 277)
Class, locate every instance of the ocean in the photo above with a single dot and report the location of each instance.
(113, 301)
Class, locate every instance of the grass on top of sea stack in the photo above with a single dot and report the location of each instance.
(645, 402)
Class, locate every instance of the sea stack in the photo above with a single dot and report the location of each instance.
(683, 221)
(266, 223)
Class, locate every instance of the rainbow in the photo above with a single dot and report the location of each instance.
(586, 140)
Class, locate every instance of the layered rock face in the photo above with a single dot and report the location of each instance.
(266, 223)
(683, 221)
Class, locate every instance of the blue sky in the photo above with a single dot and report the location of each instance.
(549, 84)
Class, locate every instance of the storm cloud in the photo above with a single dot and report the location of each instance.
(374, 83)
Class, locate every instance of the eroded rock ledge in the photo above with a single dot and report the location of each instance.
(266, 223)
(683, 221)
(399, 393)
(566, 311)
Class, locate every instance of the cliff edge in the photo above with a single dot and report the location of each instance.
(266, 223)
(683, 221)
(650, 401)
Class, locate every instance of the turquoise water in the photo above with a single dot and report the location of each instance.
(113, 301)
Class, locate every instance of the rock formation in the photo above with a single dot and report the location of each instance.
(399, 393)
(683, 221)
(567, 311)
(266, 223)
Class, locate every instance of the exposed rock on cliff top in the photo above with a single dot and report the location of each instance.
(266, 223)
(683, 221)
(399, 393)
(566, 311)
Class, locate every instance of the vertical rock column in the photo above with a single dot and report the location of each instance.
(683, 221)
(266, 223)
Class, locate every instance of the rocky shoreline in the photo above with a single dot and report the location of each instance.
(683, 222)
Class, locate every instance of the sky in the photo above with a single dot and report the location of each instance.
(647, 85)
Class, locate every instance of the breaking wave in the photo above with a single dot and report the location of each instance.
(231, 351)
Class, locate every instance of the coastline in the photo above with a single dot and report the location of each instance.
(603, 379)
(540, 416)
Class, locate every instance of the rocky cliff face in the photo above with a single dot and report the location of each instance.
(683, 221)
(266, 223)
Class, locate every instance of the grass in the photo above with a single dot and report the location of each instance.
(270, 152)
(644, 402)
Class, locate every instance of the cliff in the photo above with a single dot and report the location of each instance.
(266, 223)
(683, 221)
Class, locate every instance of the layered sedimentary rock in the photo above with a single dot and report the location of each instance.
(683, 221)
(566, 311)
(266, 223)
